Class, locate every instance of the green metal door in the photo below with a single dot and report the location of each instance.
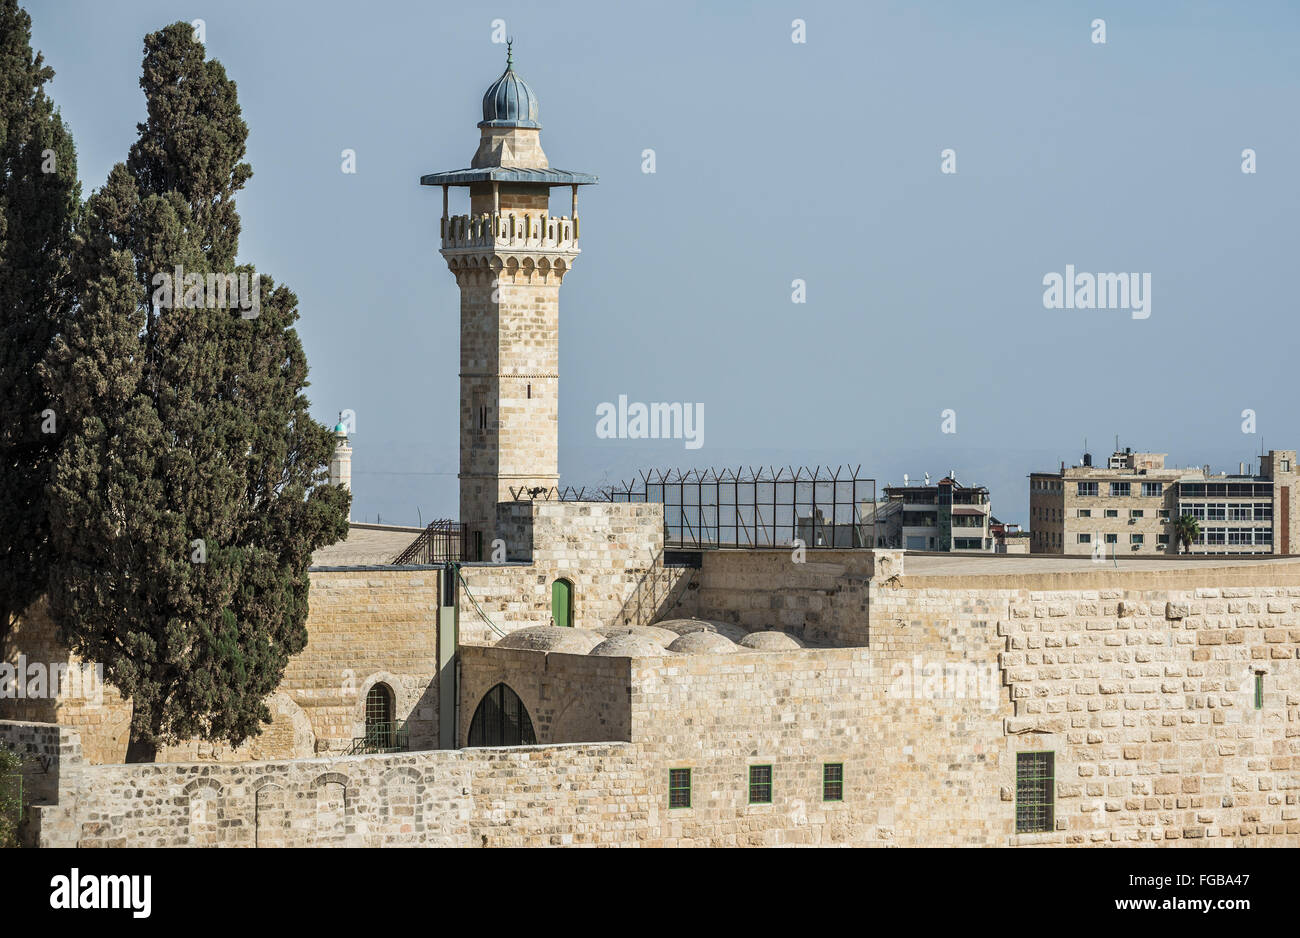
(562, 602)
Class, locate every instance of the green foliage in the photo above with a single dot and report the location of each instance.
(11, 797)
(39, 200)
(1187, 529)
(184, 424)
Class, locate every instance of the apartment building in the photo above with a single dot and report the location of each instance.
(945, 516)
(1130, 507)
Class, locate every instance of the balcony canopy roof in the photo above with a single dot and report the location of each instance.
(542, 177)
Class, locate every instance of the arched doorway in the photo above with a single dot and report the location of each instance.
(501, 720)
(562, 603)
(379, 718)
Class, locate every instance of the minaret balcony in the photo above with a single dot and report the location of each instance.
(509, 231)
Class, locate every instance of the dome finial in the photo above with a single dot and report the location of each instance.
(510, 58)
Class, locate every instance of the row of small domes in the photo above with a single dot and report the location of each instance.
(673, 637)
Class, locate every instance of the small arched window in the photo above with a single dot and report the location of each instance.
(379, 717)
(501, 720)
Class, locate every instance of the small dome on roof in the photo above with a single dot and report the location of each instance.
(552, 638)
(703, 643)
(629, 646)
(771, 641)
(686, 626)
(653, 632)
(509, 102)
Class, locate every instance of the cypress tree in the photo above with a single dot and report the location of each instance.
(189, 494)
(39, 200)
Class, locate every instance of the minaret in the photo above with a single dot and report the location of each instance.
(341, 461)
(509, 256)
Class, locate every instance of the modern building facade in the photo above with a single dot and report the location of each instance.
(946, 516)
(1131, 507)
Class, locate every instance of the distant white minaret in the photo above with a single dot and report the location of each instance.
(341, 461)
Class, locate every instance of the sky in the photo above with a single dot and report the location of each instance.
(775, 161)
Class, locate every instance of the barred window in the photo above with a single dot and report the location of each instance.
(379, 716)
(833, 781)
(679, 788)
(760, 784)
(1035, 792)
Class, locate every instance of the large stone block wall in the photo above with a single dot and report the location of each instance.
(821, 597)
(569, 698)
(526, 796)
(1146, 697)
(611, 552)
(363, 627)
(918, 769)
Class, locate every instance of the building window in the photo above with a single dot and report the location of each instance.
(1286, 465)
(482, 418)
(1264, 512)
(1215, 512)
(1112, 538)
(1240, 511)
(1259, 690)
(1085, 538)
(1153, 489)
(530, 392)
(1085, 512)
(1136, 538)
(501, 720)
(1122, 489)
(679, 788)
(760, 784)
(1163, 539)
(1112, 512)
(1164, 514)
(1035, 792)
(1087, 488)
(379, 718)
(1263, 535)
(833, 781)
(1137, 513)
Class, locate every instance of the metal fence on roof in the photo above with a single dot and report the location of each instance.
(763, 507)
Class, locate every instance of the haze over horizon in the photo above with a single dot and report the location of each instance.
(775, 161)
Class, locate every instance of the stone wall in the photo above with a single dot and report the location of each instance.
(611, 552)
(823, 598)
(918, 770)
(525, 796)
(1146, 697)
(364, 626)
(570, 698)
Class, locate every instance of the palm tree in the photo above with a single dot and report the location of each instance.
(1188, 529)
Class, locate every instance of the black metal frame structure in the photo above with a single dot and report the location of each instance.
(441, 542)
(764, 507)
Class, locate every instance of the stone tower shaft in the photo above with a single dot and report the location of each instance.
(509, 256)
